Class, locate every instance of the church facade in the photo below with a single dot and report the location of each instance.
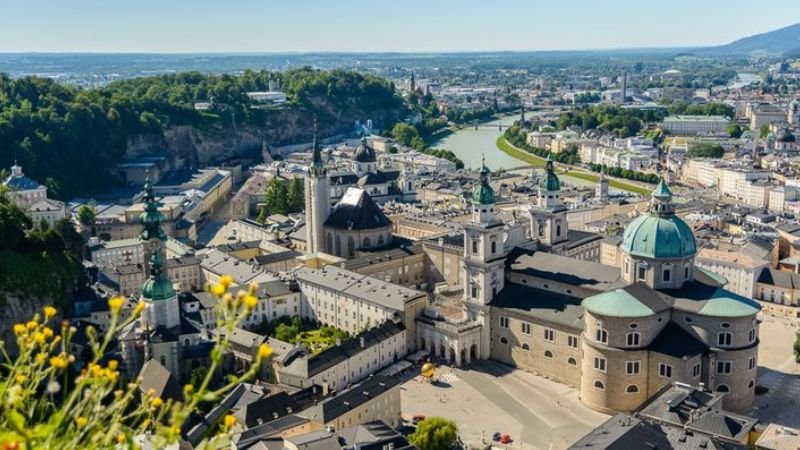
(617, 334)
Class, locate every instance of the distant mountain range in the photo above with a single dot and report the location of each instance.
(777, 42)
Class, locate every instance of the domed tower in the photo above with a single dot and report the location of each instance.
(364, 161)
(484, 257)
(317, 200)
(658, 247)
(794, 112)
(601, 191)
(160, 297)
(549, 216)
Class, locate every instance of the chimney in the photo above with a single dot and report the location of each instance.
(362, 342)
(325, 389)
(701, 387)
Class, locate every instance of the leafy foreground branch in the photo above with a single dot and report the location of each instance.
(45, 404)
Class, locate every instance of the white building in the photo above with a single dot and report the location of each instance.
(696, 124)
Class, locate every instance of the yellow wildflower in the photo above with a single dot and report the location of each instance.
(227, 298)
(188, 388)
(41, 358)
(226, 280)
(19, 329)
(253, 288)
(264, 351)
(121, 438)
(31, 325)
(139, 308)
(250, 301)
(58, 362)
(157, 402)
(81, 421)
(217, 289)
(230, 421)
(49, 312)
(48, 332)
(39, 338)
(115, 303)
(20, 379)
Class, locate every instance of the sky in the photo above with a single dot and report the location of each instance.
(180, 26)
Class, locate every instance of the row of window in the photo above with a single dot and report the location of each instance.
(527, 329)
(632, 388)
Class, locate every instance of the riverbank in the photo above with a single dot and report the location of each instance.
(536, 161)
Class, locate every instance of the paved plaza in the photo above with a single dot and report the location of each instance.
(489, 397)
(778, 372)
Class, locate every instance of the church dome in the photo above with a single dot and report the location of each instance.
(659, 233)
(364, 153)
(157, 289)
(482, 193)
(550, 181)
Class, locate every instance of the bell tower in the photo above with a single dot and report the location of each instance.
(549, 216)
(317, 200)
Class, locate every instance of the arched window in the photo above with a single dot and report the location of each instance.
(724, 338)
(186, 342)
(380, 240)
(723, 388)
(572, 362)
(475, 246)
(632, 339)
(558, 230)
(351, 246)
(548, 354)
(526, 347)
(367, 242)
(599, 385)
(601, 336)
(503, 340)
(632, 389)
(494, 247)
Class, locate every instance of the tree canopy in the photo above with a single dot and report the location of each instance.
(706, 150)
(435, 433)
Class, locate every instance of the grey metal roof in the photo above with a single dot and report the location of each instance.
(676, 342)
(357, 211)
(359, 394)
(359, 286)
(566, 270)
(541, 304)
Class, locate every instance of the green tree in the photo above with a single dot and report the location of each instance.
(797, 348)
(434, 433)
(734, 131)
(296, 195)
(706, 150)
(392, 149)
(404, 133)
(276, 198)
(86, 215)
(763, 132)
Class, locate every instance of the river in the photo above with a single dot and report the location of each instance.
(470, 145)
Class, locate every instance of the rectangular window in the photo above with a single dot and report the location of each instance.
(696, 370)
(474, 292)
(549, 335)
(667, 275)
(474, 246)
(686, 272)
(526, 328)
(632, 367)
(724, 367)
(665, 370)
(572, 341)
(632, 339)
(751, 364)
(724, 338)
(752, 335)
(600, 364)
(641, 274)
(504, 322)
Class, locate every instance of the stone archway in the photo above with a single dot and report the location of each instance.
(423, 343)
(452, 357)
(473, 352)
(442, 350)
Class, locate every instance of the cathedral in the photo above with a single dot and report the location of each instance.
(355, 222)
(617, 334)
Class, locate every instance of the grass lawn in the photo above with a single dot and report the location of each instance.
(614, 183)
(536, 161)
(315, 341)
(514, 152)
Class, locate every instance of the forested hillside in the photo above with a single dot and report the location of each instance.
(69, 138)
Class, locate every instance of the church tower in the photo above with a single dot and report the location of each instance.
(483, 246)
(549, 216)
(484, 259)
(364, 160)
(157, 292)
(601, 191)
(317, 201)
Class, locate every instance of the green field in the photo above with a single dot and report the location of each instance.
(536, 161)
(514, 152)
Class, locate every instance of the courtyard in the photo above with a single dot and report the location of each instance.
(488, 397)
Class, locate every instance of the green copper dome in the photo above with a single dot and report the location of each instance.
(659, 233)
(158, 286)
(482, 193)
(550, 181)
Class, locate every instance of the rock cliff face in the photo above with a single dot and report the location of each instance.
(15, 309)
(215, 143)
